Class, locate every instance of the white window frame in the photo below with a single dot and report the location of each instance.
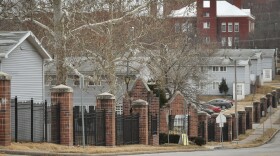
(236, 27)
(230, 27)
(224, 27)
(267, 75)
(206, 25)
(215, 85)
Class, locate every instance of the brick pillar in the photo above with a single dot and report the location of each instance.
(203, 117)
(249, 116)
(268, 99)
(274, 96)
(141, 107)
(256, 112)
(233, 126)
(278, 95)
(229, 122)
(242, 122)
(5, 109)
(62, 96)
(217, 128)
(106, 102)
(264, 105)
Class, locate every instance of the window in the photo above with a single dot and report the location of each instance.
(186, 27)
(223, 68)
(216, 85)
(224, 41)
(215, 69)
(224, 27)
(236, 42)
(206, 25)
(96, 83)
(229, 27)
(50, 80)
(177, 27)
(239, 89)
(76, 80)
(206, 4)
(230, 41)
(207, 39)
(206, 14)
(236, 27)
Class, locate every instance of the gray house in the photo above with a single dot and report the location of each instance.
(253, 67)
(22, 57)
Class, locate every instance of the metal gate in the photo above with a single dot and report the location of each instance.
(256, 114)
(225, 132)
(201, 129)
(94, 126)
(211, 130)
(240, 125)
(262, 109)
(127, 129)
(247, 120)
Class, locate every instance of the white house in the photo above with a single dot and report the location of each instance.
(22, 57)
(253, 67)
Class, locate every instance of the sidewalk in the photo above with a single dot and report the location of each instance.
(270, 122)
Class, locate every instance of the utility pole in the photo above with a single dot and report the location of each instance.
(235, 100)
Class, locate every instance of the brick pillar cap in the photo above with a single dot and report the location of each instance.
(248, 107)
(256, 102)
(202, 113)
(242, 111)
(273, 92)
(139, 102)
(62, 89)
(268, 94)
(105, 95)
(4, 76)
(263, 98)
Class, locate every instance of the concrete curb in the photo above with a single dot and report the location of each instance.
(38, 153)
(271, 137)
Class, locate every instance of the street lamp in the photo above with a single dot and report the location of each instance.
(127, 79)
(235, 98)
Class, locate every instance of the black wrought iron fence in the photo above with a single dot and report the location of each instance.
(28, 121)
(154, 124)
(94, 126)
(127, 129)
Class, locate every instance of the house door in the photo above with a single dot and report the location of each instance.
(240, 91)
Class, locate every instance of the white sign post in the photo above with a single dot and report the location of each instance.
(221, 119)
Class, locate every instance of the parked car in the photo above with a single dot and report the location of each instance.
(213, 108)
(207, 110)
(222, 103)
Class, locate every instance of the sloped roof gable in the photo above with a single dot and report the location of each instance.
(10, 40)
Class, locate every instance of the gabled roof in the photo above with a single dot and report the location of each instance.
(224, 9)
(10, 40)
(226, 61)
(245, 53)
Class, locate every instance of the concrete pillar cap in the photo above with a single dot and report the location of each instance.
(241, 111)
(62, 89)
(248, 107)
(202, 113)
(263, 98)
(105, 95)
(4, 76)
(268, 94)
(139, 102)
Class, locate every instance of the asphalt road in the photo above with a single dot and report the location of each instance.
(270, 149)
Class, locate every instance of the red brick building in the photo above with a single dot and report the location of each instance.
(216, 21)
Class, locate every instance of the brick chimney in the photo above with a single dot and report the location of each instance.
(237, 3)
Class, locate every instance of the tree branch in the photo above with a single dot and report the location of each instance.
(39, 24)
(112, 21)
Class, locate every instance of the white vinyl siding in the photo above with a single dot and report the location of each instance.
(25, 66)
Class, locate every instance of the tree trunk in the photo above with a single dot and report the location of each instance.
(59, 50)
